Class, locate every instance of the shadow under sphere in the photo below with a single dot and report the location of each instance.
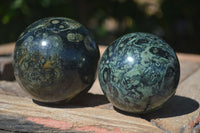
(176, 106)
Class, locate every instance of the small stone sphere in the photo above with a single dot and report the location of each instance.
(55, 59)
(139, 72)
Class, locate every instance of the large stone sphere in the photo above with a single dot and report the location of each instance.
(139, 72)
(55, 59)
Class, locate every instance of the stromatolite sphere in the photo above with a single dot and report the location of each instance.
(55, 59)
(139, 72)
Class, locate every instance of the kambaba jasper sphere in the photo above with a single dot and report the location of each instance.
(55, 59)
(139, 72)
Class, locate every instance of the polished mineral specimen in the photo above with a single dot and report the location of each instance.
(139, 72)
(55, 59)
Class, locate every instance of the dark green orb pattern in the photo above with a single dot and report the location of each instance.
(55, 59)
(139, 72)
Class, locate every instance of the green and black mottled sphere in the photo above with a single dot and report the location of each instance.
(55, 59)
(139, 72)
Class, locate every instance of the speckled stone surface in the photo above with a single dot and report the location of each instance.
(55, 59)
(139, 72)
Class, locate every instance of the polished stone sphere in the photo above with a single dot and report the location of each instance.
(55, 59)
(139, 72)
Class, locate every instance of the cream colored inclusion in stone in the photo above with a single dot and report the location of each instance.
(73, 25)
(55, 21)
(61, 27)
(121, 45)
(74, 37)
(25, 43)
(45, 35)
(79, 37)
(70, 37)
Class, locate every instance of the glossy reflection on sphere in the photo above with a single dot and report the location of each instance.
(139, 72)
(55, 59)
